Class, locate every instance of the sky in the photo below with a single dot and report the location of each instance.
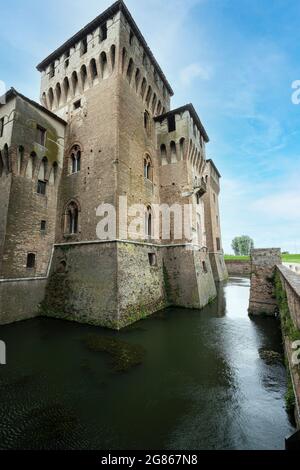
(235, 60)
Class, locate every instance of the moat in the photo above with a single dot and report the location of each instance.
(182, 379)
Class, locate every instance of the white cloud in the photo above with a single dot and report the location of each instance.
(192, 71)
(282, 205)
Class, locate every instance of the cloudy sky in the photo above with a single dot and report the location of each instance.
(235, 60)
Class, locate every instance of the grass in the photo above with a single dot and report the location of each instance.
(285, 258)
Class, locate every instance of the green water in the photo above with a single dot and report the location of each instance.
(201, 383)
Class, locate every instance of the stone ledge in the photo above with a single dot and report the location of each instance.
(291, 278)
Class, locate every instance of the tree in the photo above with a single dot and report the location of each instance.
(242, 245)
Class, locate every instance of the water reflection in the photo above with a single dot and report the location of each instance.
(201, 385)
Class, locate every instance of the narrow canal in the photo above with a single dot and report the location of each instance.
(200, 383)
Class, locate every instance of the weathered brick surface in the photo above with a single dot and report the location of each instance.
(238, 267)
(262, 292)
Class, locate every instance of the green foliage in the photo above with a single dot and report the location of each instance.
(289, 258)
(236, 258)
(242, 245)
(287, 323)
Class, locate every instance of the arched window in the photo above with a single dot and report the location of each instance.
(31, 166)
(182, 147)
(149, 93)
(103, 65)
(147, 121)
(71, 218)
(20, 160)
(148, 222)
(44, 100)
(154, 101)
(66, 87)
(83, 76)
(124, 56)
(163, 154)
(42, 183)
(143, 87)
(173, 152)
(75, 159)
(148, 170)
(53, 174)
(113, 56)
(50, 98)
(137, 79)
(58, 94)
(74, 80)
(130, 70)
(93, 69)
(159, 108)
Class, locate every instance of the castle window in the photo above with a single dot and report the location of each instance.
(66, 86)
(75, 82)
(149, 93)
(43, 225)
(147, 121)
(113, 56)
(41, 135)
(137, 79)
(6, 158)
(204, 267)
(182, 146)
(30, 261)
(173, 152)
(103, 31)
(53, 173)
(58, 94)
(52, 70)
(171, 123)
(77, 104)
(218, 244)
(159, 108)
(154, 101)
(83, 47)
(131, 36)
(1, 126)
(148, 222)
(103, 65)
(44, 100)
(143, 87)
(31, 166)
(20, 159)
(67, 63)
(130, 70)
(148, 173)
(75, 159)
(83, 75)
(93, 69)
(163, 154)
(41, 187)
(152, 259)
(50, 98)
(72, 218)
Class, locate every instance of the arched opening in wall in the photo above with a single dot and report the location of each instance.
(74, 80)
(53, 174)
(44, 100)
(124, 56)
(58, 94)
(42, 183)
(143, 87)
(147, 122)
(71, 218)
(173, 152)
(129, 70)
(1, 165)
(131, 36)
(137, 79)
(182, 148)
(50, 98)
(103, 31)
(75, 159)
(113, 56)
(31, 166)
(204, 267)
(163, 154)
(148, 223)
(159, 108)
(83, 76)
(148, 168)
(30, 263)
(93, 69)
(6, 158)
(154, 101)
(149, 94)
(66, 88)
(103, 65)
(20, 159)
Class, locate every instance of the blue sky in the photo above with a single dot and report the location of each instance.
(234, 59)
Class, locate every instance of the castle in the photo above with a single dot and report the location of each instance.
(104, 133)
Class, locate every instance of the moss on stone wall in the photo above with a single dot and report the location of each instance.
(287, 323)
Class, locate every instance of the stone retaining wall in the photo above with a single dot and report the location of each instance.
(238, 267)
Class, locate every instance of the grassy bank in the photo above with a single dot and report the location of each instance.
(285, 258)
